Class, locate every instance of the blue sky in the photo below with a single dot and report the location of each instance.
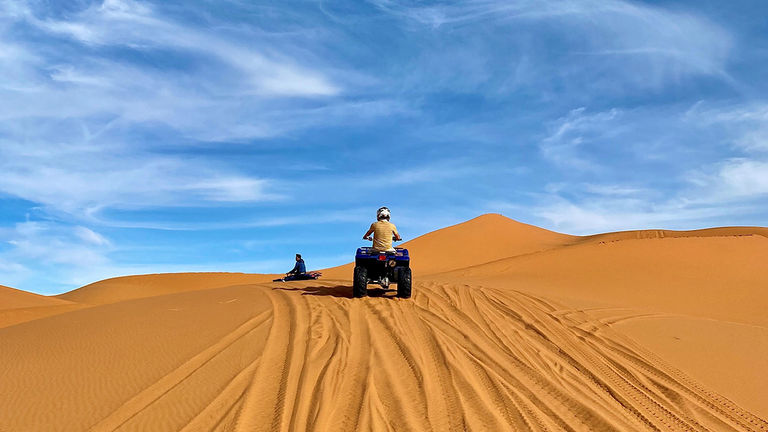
(142, 137)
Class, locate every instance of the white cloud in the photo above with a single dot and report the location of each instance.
(658, 45)
(231, 189)
(133, 24)
(68, 113)
(90, 236)
(722, 191)
(327, 217)
(237, 84)
(745, 124)
(564, 146)
(605, 215)
(739, 178)
(73, 180)
(56, 244)
(613, 190)
(702, 166)
(11, 270)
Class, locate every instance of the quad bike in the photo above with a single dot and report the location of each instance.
(382, 268)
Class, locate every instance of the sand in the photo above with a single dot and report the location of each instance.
(18, 306)
(534, 330)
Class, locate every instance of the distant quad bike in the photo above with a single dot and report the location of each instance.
(383, 268)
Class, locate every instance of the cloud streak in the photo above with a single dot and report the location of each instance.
(659, 46)
(136, 25)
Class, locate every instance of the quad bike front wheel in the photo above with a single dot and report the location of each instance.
(360, 282)
(404, 283)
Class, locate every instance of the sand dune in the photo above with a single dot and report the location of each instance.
(18, 306)
(555, 333)
(482, 239)
(132, 287)
(713, 277)
(11, 298)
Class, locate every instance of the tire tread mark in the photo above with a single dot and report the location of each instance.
(265, 401)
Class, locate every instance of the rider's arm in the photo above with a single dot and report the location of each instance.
(295, 269)
(369, 232)
(396, 234)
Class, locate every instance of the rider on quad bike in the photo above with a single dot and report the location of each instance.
(383, 232)
(382, 264)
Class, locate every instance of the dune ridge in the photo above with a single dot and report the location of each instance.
(551, 332)
(13, 298)
(139, 286)
(485, 238)
(17, 306)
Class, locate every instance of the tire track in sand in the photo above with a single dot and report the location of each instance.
(453, 353)
(273, 391)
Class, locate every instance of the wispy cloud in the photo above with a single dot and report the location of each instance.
(734, 179)
(77, 180)
(564, 146)
(73, 96)
(296, 219)
(52, 247)
(229, 89)
(745, 124)
(733, 190)
(605, 215)
(660, 46)
(676, 167)
(137, 25)
(56, 243)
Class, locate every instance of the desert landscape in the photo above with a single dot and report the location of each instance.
(533, 331)
(582, 186)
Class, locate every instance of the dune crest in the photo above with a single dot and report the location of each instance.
(140, 286)
(476, 241)
(17, 306)
(11, 298)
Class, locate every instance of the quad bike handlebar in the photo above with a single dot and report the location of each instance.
(369, 238)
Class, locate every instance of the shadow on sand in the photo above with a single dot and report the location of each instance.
(344, 291)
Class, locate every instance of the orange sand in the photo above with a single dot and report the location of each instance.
(18, 306)
(534, 330)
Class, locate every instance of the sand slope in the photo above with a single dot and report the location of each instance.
(580, 344)
(18, 306)
(132, 287)
(730, 358)
(11, 298)
(477, 241)
(713, 277)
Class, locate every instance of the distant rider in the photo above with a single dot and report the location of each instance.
(383, 232)
(299, 271)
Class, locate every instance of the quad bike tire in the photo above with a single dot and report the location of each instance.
(404, 283)
(360, 282)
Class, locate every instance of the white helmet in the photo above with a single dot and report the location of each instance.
(382, 213)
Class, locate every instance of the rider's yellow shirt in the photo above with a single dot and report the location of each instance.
(383, 231)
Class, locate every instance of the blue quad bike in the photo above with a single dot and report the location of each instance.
(382, 268)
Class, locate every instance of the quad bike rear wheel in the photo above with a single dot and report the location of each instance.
(404, 283)
(360, 282)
